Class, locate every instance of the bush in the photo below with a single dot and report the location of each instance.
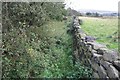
(28, 51)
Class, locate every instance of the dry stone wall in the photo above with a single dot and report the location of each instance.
(104, 62)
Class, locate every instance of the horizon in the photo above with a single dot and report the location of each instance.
(96, 10)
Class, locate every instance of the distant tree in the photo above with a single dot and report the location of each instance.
(88, 14)
(96, 14)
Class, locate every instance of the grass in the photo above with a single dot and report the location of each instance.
(43, 52)
(53, 57)
(102, 29)
(58, 60)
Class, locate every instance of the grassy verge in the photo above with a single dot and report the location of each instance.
(44, 52)
(102, 29)
(57, 58)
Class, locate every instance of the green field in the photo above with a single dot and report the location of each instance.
(104, 29)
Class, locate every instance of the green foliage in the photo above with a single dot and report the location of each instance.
(80, 71)
(54, 10)
(24, 15)
(29, 42)
(88, 14)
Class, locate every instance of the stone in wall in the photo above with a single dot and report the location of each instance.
(110, 55)
(101, 72)
(77, 27)
(83, 36)
(94, 51)
(97, 57)
(96, 45)
(101, 51)
(116, 64)
(89, 39)
(76, 55)
(80, 30)
(80, 21)
(95, 66)
(112, 72)
(90, 49)
(82, 44)
(95, 75)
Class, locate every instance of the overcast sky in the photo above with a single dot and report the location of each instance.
(107, 5)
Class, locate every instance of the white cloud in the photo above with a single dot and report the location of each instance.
(109, 5)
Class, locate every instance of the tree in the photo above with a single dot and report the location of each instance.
(88, 14)
(19, 21)
(96, 14)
